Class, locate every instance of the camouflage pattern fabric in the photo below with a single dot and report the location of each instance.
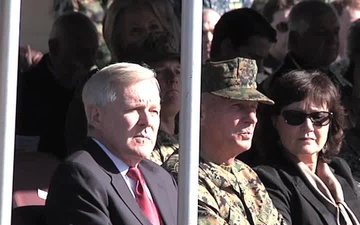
(234, 79)
(230, 195)
(95, 10)
(166, 144)
(172, 164)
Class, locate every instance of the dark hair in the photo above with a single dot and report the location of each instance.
(239, 25)
(306, 11)
(272, 6)
(297, 86)
(353, 35)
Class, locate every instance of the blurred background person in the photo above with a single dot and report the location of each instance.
(165, 60)
(28, 58)
(45, 91)
(243, 33)
(277, 12)
(348, 11)
(351, 149)
(95, 10)
(210, 18)
(313, 42)
(128, 21)
(298, 144)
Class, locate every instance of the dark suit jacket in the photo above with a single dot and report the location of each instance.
(292, 63)
(42, 103)
(294, 199)
(88, 189)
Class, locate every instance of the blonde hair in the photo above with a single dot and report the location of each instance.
(162, 9)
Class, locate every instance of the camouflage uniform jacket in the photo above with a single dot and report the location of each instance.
(166, 144)
(95, 10)
(231, 195)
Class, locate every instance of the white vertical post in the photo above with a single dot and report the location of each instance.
(191, 34)
(9, 45)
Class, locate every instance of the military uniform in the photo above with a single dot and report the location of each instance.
(166, 144)
(230, 194)
(95, 10)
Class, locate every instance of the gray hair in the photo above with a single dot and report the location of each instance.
(101, 88)
(303, 13)
(353, 45)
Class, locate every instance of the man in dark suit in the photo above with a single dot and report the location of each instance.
(46, 89)
(109, 180)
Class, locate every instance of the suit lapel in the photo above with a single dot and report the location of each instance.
(120, 186)
(117, 180)
(158, 192)
(313, 200)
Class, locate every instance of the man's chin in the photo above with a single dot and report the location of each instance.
(244, 145)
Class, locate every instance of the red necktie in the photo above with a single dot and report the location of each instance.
(145, 203)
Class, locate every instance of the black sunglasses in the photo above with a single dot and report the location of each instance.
(295, 118)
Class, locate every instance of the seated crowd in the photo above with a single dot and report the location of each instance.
(283, 149)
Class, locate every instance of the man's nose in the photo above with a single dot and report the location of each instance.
(209, 36)
(144, 118)
(250, 117)
(172, 77)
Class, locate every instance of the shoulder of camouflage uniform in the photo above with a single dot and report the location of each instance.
(172, 164)
(165, 146)
(155, 157)
(254, 189)
(207, 217)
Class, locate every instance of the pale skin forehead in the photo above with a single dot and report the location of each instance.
(211, 101)
(210, 18)
(140, 93)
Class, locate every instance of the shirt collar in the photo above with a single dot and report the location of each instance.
(120, 165)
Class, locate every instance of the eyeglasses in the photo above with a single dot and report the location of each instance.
(295, 118)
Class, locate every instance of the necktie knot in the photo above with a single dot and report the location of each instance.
(135, 174)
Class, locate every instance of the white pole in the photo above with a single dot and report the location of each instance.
(9, 45)
(191, 34)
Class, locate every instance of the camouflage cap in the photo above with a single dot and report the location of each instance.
(234, 79)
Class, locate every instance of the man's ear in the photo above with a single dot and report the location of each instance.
(53, 47)
(94, 116)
